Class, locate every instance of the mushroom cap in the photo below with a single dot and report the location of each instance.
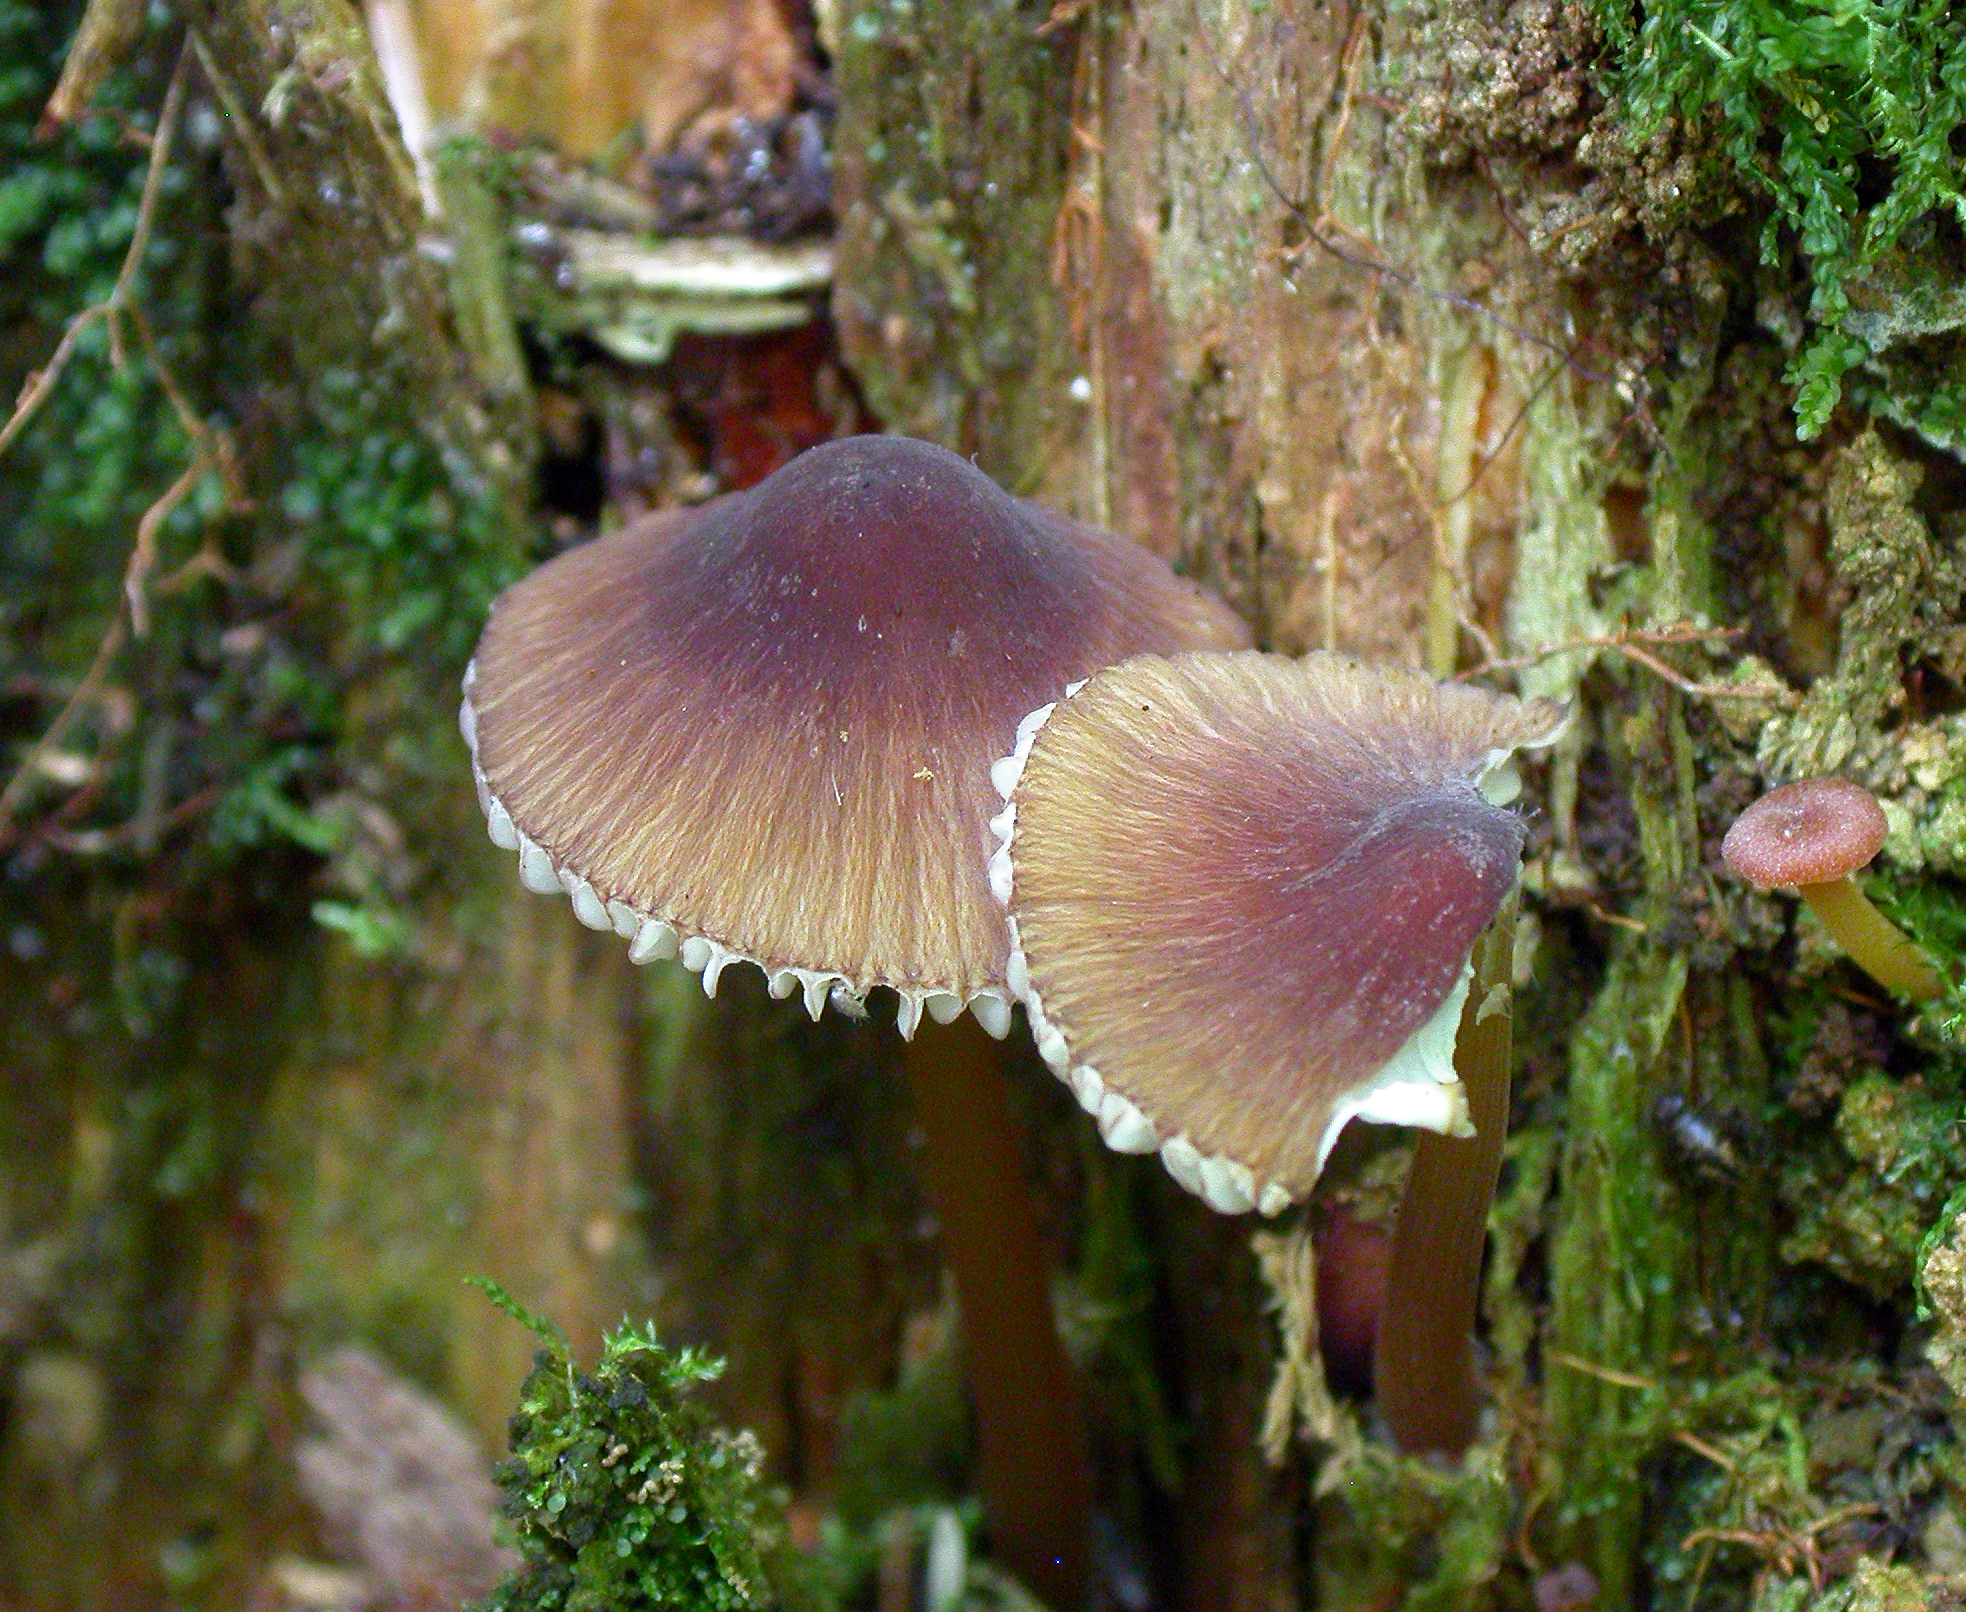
(1244, 890)
(762, 728)
(1813, 831)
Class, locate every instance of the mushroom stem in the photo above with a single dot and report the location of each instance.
(1875, 944)
(1423, 1357)
(1030, 1435)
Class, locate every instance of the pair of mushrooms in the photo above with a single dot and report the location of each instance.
(875, 723)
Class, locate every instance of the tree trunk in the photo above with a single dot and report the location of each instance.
(1386, 322)
(1396, 326)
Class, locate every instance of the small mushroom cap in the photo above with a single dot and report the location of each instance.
(1245, 890)
(768, 722)
(1814, 831)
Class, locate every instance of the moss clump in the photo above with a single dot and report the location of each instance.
(1903, 586)
(620, 1490)
(1427, 1538)
(1843, 117)
(1904, 1138)
(1942, 1291)
(1873, 1587)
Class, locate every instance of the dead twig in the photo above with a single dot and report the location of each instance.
(109, 28)
(1700, 1575)
(240, 123)
(1632, 645)
(57, 730)
(130, 616)
(42, 381)
(1621, 1379)
(211, 451)
(100, 841)
(1701, 1447)
(143, 553)
(1604, 914)
(122, 293)
(117, 304)
(1786, 1547)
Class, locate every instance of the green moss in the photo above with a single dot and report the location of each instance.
(312, 628)
(1903, 585)
(280, 738)
(1424, 1538)
(1880, 1587)
(621, 1492)
(1942, 1293)
(414, 546)
(908, 1444)
(1842, 117)
(1905, 1139)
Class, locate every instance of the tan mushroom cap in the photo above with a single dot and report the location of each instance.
(1244, 890)
(1813, 831)
(762, 729)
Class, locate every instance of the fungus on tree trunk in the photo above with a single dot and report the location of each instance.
(761, 731)
(1244, 892)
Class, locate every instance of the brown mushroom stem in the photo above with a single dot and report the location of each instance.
(1875, 944)
(1423, 1357)
(1030, 1435)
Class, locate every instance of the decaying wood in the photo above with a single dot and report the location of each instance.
(1323, 302)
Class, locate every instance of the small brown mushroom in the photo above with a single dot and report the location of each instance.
(1811, 836)
(1244, 893)
(760, 731)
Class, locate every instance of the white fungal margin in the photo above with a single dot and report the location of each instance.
(653, 939)
(1226, 1185)
(1087, 1087)
(1499, 781)
(1123, 1128)
(1418, 1085)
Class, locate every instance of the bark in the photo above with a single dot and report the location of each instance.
(1373, 319)
(311, 1145)
(316, 1133)
(1367, 317)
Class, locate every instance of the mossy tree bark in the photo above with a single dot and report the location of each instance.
(310, 1057)
(1377, 319)
(1369, 317)
(296, 1141)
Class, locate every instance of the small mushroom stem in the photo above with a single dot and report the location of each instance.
(1423, 1357)
(1875, 944)
(1030, 1434)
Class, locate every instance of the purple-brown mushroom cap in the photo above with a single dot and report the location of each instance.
(1243, 893)
(762, 729)
(1814, 831)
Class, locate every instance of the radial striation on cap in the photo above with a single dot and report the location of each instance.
(1243, 892)
(762, 729)
(1811, 832)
